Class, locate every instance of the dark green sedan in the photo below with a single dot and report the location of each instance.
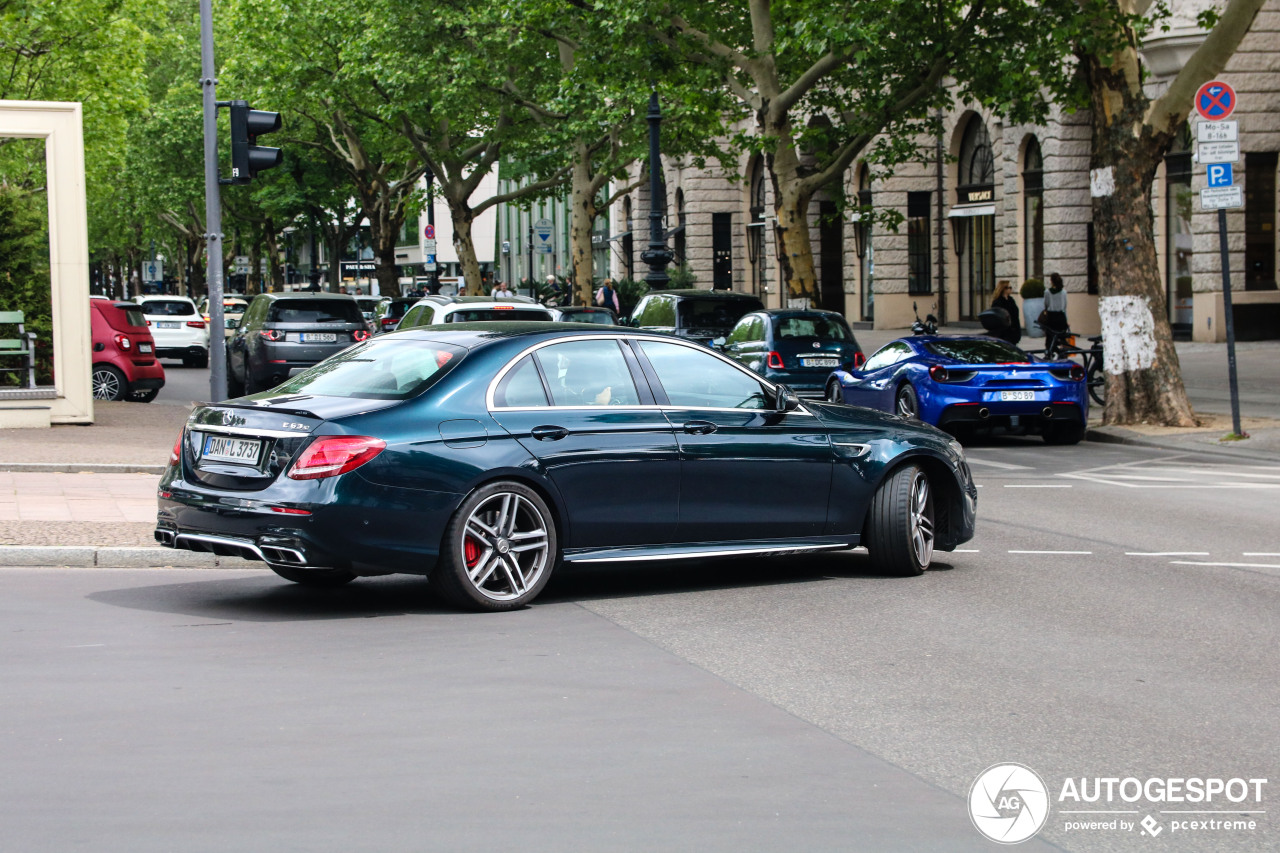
(485, 455)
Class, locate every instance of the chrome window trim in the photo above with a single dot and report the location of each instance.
(664, 339)
(274, 433)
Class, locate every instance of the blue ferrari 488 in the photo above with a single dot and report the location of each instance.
(965, 384)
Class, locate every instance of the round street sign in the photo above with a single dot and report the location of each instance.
(1215, 100)
(429, 232)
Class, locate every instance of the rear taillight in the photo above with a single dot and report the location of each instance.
(1076, 373)
(938, 373)
(775, 361)
(272, 334)
(858, 360)
(388, 321)
(196, 324)
(359, 335)
(123, 342)
(175, 455)
(331, 455)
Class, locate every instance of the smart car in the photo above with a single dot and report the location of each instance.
(125, 366)
(484, 455)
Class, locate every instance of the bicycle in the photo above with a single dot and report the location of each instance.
(1061, 345)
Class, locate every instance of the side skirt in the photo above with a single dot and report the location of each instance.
(702, 550)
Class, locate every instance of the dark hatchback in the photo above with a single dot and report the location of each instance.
(282, 333)
(700, 315)
(796, 348)
(484, 455)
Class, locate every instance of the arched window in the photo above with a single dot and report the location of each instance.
(1033, 210)
(756, 229)
(974, 218)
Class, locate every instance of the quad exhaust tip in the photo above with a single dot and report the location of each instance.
(1048, 411)
(984, 413)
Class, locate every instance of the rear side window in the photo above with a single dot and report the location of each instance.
(168, 308)
(522, 386)
(658, 311)
(315, 311)
(383, 369)
(487, 315)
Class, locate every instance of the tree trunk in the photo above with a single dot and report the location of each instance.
(1144, 383)
(791, 227)
(464, 244)
(581, 223)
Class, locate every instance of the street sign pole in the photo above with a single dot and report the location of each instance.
(1231, 323)
(212, 209)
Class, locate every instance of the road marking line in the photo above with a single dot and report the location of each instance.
(1004, 465)
(966, 551)
(1172, 554)
(1050, 552)
(1260, 554)
(1037, 485)
(1227, 565)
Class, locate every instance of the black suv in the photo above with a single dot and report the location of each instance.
(283, 332)
(701, 315)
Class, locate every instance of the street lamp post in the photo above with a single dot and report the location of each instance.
(657, 256)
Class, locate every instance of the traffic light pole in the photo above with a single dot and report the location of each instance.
(212, 209)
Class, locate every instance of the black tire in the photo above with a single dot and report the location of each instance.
(235, 388)
(479, 567)
(251, 386)
(202, 361)
(906, 403)
(108, 383)
(899, 532)
(144, 396)
(1097, 380)
(834, 393)
(1063, 432)
(188, 361)
(325, 578)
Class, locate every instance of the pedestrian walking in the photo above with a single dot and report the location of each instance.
(501, 290)
(607, 296)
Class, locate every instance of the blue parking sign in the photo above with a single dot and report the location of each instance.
(1220, 175)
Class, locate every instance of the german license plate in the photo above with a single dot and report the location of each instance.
(319, 337)
(144, 347)
(163, 325)
(1017, 396)
(241, 450)
(820, 362)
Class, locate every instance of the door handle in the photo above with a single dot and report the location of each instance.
(699, 427)
(548, 433)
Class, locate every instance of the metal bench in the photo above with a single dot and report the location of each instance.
(21, 348)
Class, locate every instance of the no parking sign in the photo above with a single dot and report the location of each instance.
(1215, 100)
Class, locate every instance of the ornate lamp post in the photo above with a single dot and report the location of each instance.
(657, 256)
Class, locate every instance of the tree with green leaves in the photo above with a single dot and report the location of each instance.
(1131, 134)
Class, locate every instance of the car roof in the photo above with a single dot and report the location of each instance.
(156, 297)
(799, 312)
(697, 292)
(306, 294)
(472, 335)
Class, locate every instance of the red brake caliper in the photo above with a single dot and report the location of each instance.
(471, 551)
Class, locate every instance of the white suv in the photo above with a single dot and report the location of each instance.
(180, 331)
(434, 310)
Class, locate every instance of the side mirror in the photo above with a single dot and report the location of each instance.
(786, 400)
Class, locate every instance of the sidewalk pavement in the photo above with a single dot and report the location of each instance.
(85, 495)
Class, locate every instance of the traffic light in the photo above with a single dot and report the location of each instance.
(248, 159)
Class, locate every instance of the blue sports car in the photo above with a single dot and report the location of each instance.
(962, 384)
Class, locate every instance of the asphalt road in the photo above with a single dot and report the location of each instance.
(778, 704)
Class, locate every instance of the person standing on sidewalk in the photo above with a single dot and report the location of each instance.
(1053, 319)
(1004, 299)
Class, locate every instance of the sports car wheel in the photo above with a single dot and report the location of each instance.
(498, 550)
(899, 532)
(834, 394)
(108, 383)
(906, 404)
(315, 577)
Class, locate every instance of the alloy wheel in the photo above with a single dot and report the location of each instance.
(921, 519)
(906, 403)
(505, 546)
(106, 384)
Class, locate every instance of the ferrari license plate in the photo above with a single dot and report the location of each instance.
(820, 362)
(1017, 396)
(319, 337)
(241, 450)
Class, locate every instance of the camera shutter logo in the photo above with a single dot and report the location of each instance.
(1008, 803)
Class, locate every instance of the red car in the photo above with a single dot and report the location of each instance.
(124, 353)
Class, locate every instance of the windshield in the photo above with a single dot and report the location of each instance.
(821, 328)
(384, 369)
(978, 351)
(315, 311)
(714, 313)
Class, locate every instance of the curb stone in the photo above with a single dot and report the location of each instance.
(88, 556)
